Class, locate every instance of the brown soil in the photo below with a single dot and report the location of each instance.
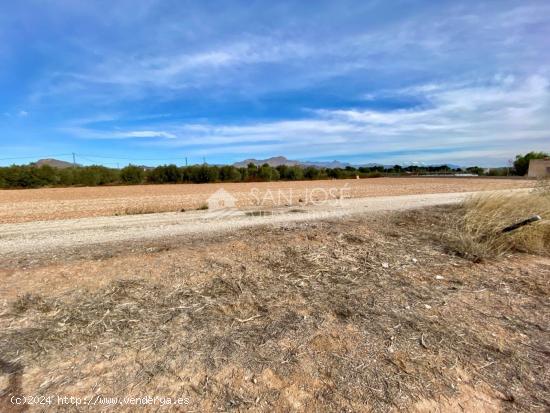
(62, 203)
(361, 314)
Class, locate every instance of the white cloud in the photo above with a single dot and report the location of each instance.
(147, 134)
(20, 114)
(90, 133)
(457, 123)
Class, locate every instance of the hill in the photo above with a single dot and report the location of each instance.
(281, 160)
(55, 163)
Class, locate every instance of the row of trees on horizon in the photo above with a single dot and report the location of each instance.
(29, 176)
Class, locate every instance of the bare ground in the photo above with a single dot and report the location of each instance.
(355, 314)
(67, 203)
(32, 241)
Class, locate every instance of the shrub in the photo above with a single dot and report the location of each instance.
(311, 173)
(267, 173)
(229, 173)
(164, 174)
(290, 173)
(478, 233)
(132, 174)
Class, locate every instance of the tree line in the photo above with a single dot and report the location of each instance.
(29, 176)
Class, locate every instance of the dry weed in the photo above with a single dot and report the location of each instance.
(477, 232)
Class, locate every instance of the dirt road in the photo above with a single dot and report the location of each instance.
(47, 236)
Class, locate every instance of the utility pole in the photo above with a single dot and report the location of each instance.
(186, 161)
(74, 160)
(204, 160)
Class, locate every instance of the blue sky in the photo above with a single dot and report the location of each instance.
(154, 81)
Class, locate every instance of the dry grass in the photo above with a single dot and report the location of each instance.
(353, 315)
(476, 232)
(148, 209)
(141, 209)
(542, 187)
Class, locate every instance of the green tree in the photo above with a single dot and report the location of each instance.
(132, 174)
(311, 173)
(164, 174)
(229, 173)
(521, 164)
(475, 170)
(252, 171)
(267, 173)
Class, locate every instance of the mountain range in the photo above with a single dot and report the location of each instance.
(281, 160)
(273, 161)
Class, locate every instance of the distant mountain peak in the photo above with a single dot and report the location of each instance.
(281, 160)
(54, 163)
(273, 161)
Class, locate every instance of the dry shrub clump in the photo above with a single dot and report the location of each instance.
(477, 231)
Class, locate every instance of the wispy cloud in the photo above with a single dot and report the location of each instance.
(89, 133)
(449, 39)
(503, 116)
(354, 79)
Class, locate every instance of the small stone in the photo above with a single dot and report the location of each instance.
(385, 265)
(414, 260)
(439, 277)
(428, 307)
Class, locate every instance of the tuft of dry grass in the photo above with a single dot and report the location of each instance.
(476, 233)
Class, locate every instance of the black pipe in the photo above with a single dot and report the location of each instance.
(534, 218)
